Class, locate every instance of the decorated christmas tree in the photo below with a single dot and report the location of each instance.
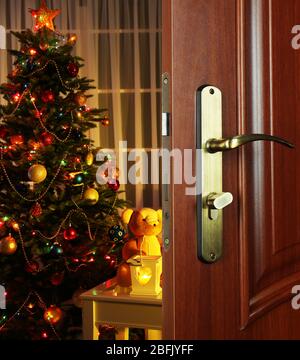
(56, 221)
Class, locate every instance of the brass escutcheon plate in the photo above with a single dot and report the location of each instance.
(209, 126)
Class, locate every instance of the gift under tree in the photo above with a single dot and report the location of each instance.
(54, 217)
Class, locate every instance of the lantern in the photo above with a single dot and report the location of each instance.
(145, 275)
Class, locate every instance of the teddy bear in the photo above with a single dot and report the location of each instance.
(144, 238)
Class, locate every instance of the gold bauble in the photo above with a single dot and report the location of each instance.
(53, 314)
(8, 245)
(91, 195)
(89, 159)
(37, 173)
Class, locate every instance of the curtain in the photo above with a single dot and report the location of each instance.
(120, 41)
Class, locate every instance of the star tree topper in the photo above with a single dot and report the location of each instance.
(44, 17)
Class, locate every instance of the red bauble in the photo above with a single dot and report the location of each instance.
(73, 69)
(114, 185)
(32, 267)
(53, 314)
(48, 96)
(57, 278)
(46, 139)
(70, 234)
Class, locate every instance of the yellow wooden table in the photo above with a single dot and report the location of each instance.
(103, 305)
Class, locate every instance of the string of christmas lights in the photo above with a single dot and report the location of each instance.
(77, 87)
(42, 304)
(36, 200)
(20, 98)
(30, 264)
(42, 121)
(69, 215)
(73, 270)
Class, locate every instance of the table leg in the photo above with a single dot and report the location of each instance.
(90, 331)
(152, 334)
(122, 333)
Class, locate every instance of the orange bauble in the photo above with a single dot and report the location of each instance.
(130, 249)
(53, 314)
(123, 275)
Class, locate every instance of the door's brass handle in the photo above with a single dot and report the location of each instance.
(217, 145)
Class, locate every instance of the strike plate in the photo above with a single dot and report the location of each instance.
(166, 144)
(209, 221)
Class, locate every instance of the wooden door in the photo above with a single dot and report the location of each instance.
(243, 47)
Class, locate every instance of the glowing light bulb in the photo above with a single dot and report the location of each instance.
(73, 38)
(16, 97)
(32, 52)
(12, 246)
(15, 226)
(36, 145)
